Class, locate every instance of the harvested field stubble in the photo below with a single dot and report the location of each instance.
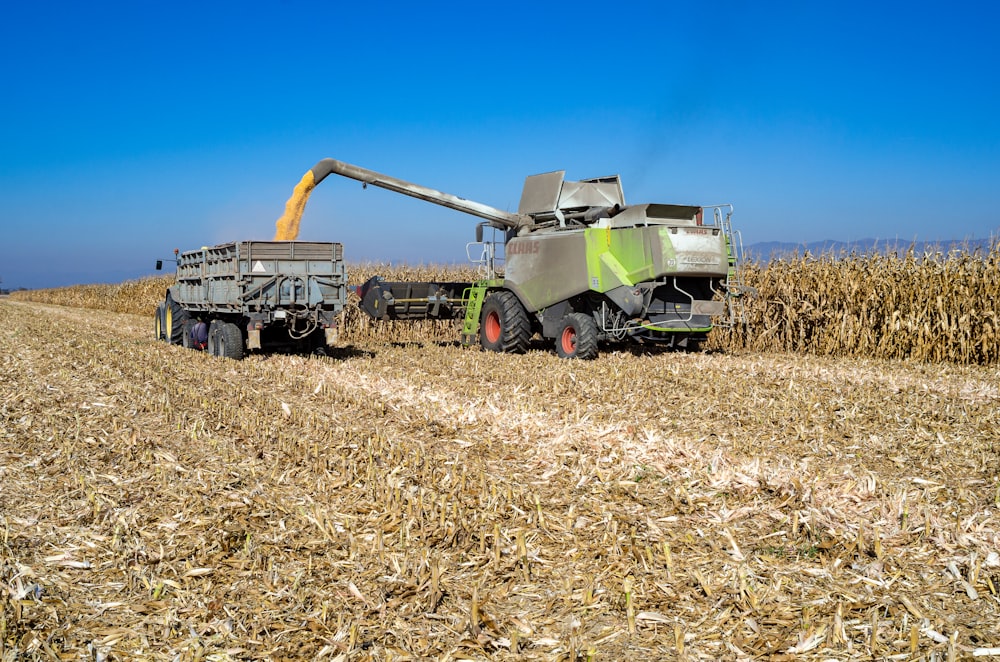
(440, 502)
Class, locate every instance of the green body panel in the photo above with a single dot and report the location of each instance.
(626, 256)
(545, 268)
(473, 297)
(629, 256)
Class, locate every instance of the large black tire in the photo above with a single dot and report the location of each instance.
(225, 340)
(213, 332)
(173, 322)
(577, 337)
(504, 325)
(232, 342)
(188, 332)
(158, 326)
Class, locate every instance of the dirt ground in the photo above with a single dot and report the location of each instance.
(429, 501)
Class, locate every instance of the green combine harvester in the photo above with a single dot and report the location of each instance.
(575, 264)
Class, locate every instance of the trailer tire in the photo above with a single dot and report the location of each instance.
(577, 337)
(232, 341)
(225, 340)
(504, 325)
(213, 330)
(158, 323)
(175, 318)
(187, 333)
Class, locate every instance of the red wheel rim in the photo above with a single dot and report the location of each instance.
(568, 340)
(492, 327)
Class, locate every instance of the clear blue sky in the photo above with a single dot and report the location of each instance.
(129, 129)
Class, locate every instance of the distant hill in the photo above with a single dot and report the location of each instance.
(766, 250)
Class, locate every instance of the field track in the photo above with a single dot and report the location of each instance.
(427, 501)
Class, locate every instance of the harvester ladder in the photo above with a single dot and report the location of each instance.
(735, 288)
(473, 298)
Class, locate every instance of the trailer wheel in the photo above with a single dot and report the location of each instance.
(158, 323)
(174, 320)
(232, 341)
(225, 340)
(187, 334)
(213, 331)
(504, 325)
(577, 337)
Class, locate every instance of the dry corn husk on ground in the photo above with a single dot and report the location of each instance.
(401, 502)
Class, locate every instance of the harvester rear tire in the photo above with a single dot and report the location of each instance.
(504, 325)
(158, 323)
(174, 320)
(577, 337)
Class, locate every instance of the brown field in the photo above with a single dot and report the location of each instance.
(409, 498)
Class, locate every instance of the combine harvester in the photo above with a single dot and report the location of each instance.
(575, 264)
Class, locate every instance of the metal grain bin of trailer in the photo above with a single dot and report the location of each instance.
(255, 295)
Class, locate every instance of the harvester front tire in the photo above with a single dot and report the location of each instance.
(158, 323)
(504, 325)
(577, 337)
(175, 318)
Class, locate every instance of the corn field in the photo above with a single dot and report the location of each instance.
(929, 307)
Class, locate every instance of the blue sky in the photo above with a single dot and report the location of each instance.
(131, 129)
